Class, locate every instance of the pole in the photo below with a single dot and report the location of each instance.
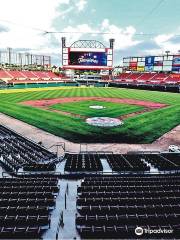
(65, 201)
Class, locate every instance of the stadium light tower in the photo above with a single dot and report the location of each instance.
(9, 50)
(167, 52)
(111, 43)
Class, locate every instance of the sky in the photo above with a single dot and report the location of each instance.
(139, 27)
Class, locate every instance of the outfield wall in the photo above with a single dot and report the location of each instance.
(42, 85)
(46, 85)
(151, 87)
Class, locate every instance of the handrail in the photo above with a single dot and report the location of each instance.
(83, 174)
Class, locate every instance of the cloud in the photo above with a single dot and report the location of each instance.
(168, 42)
(81, 5)
(163, 38)
(3, 28)
(124, 37)
(77, 32)
(64, 13)
(25, 23)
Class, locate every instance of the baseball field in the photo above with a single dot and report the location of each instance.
(146, 115)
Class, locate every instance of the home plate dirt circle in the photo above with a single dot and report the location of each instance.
(104, 122)
(98, 107)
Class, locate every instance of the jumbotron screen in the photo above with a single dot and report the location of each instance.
(88, 58)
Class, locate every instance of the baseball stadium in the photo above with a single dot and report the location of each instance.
(89, 149)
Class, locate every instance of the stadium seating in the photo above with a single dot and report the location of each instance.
(82, 163)
(25, 76)
(5, 74)
(17, 152)
(107, 206)
(164, 161)
(89, 162)
(25, 206)
(149, 78)
(120, 162)
(92, 162)
(112, 207)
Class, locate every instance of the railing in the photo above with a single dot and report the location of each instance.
(78, 175)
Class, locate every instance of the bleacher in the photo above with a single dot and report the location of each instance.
(25, 206)
(149, 78)
(83, 163)
(120, 162)
(17, 152)
(140, 190)
(90, 162)
(112, 207)
(164, 161)
(28, 76)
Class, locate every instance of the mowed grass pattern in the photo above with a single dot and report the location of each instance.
(143, 128)
(110, 110)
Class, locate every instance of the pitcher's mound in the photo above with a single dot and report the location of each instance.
(98, 107)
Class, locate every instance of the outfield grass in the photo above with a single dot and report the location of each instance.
(143, 128)
(110, 110)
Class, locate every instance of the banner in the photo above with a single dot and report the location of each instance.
(158, 68)
(133, 68)
(133, 64)
(176, 60)
(158, 63)
(149, 68)
(149, 61)
(176, 68)
(140, 69)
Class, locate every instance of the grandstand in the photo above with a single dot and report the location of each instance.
(86, 195)
(149, 78)
(27, 75)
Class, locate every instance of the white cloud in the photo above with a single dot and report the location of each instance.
(161, 39)
(76, 32)
(123, 36)
(65, 12)
(153, 52)
(81, 5)
(24, 18)
(164, 42)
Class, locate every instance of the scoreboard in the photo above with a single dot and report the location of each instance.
(87, 58)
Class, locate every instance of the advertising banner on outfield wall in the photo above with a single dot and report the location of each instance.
(158, 68)
(176, 68)
(149, 68)
(158, 58)
(158, 63)
(176, 60)
(141, 64)
(149, 61)
(167, 63)
(167, 68)
(168, 58)
(126, 60)
(133, 64)
(133, 68)
(140, 69)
